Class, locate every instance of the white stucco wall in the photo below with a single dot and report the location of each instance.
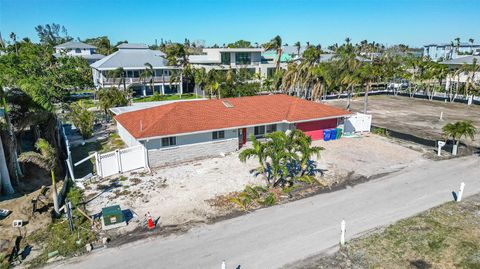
(126, 136)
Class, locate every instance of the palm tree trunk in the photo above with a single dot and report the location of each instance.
(365, 101)
(5, 183)
(54, 193)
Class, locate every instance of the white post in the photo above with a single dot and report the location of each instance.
(460, 193)
(440, 146)
(342, 235)
(98, 164)
(224, 265)
(441, 116)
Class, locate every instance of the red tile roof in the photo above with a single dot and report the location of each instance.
(204, 115)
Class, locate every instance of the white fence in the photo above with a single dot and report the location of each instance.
(120, 161)
(358, 123)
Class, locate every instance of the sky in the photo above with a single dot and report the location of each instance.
(411, 22)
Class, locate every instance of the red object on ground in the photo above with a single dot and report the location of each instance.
(151, 225)
(314, 129)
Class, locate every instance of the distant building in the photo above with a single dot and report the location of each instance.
(132, 59)
(443, 52)
(461, 77)
(233, 58)
(78, 49)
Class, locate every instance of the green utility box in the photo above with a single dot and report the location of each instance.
(112, 217)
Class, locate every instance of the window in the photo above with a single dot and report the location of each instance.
(242, 58)
(225, 57)
(271, 128)
(259, 130)
(218, 135)
(78, 51)
(169, 141)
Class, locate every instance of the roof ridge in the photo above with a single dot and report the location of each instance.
(170, 107)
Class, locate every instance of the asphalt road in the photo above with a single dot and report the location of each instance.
(276, 236)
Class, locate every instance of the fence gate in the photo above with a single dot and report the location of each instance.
(120, 161)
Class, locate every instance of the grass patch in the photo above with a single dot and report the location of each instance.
(79, 152)
(158, 97)
(447, 236)
(381, 132)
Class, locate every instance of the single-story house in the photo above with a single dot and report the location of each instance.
(184, 131)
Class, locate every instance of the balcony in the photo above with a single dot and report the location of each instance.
(129, 81)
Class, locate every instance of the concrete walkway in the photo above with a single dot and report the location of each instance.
(273, 237)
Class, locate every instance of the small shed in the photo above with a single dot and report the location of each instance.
(112, 217)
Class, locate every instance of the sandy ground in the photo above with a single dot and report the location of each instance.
(415, 116)
(178, 194)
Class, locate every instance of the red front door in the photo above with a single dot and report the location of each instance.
(242, 137)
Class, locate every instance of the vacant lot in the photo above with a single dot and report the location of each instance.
(417, 117)
(180, 194)
(444, 237)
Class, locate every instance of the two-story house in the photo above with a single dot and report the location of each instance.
(131, 60)
(78, 49)
(236, 58)
(448, 51)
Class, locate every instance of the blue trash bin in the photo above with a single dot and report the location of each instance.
(333, 134)
(326, 135)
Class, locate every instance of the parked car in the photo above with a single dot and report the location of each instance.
(398, 85)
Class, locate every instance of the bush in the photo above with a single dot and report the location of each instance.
(82, 118)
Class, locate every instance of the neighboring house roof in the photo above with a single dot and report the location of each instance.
(462, 60)
(131, 59)
(205, 115)
(74, 45)
(132, 46)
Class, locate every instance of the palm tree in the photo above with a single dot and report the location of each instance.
(118, 73)
(457, 42)
(275, 44)
(150, 72)
(471, 70)
(46, 159)
(256, 151)
(201, 78)
(458, 130)
(368, 73)
(5, 183)
(298, 45)
(13, 37)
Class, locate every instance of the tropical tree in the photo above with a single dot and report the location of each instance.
(275, 44)
(284, 158)
(111, 97)
(118, 73)
(201, 79)
(45, 158)
(82, 118)
(298, 45)
(458, 130)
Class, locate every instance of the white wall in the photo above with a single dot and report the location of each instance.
(126, 136)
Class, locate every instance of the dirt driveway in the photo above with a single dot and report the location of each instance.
(418, 117)
(179, 194)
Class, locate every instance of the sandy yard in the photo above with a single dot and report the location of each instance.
(179, 194)
(417, 117)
